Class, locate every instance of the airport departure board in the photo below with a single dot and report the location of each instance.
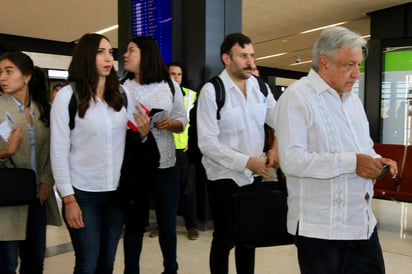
(154, 18)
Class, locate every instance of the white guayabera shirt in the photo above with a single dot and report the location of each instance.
(227, 144)
(319, 136)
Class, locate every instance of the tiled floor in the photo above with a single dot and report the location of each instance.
(395, 231)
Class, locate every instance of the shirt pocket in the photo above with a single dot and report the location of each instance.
(231, 120)
(260, 113)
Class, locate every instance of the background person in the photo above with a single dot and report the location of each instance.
(55, 88)
(188, 206)
(255, 70)
(23, 228)
(327, 154)
(230, 159)
(146, 79)
(269, 141)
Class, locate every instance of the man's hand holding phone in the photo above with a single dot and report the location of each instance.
(388, 166)
(373, 168)
(384, 171)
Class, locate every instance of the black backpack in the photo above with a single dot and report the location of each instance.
(73, 101)
(193, 153)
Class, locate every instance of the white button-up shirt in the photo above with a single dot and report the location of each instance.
(158, 95)
(318, 137)
(90, 156)
(227, 144)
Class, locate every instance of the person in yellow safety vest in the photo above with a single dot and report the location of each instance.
(187, 205)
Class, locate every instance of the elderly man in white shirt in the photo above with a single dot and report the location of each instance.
(327, 154)
(232, 146)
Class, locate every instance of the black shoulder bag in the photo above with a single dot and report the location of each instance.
(260, 212)
(17, 185)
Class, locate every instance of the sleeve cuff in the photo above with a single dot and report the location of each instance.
(240, 162)
(65, 190)
(348, 162)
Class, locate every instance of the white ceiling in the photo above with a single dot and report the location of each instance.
(273, 25)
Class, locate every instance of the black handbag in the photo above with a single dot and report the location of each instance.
(260, 212)
(17, 185)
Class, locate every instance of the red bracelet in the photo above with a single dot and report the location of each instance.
(71, 201)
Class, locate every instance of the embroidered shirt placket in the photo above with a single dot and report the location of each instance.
(334, 145)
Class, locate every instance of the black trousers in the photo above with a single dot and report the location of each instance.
(188, 202)
(319, 256)
(221, 205)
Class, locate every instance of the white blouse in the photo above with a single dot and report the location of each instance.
(90, 156)
(159, 95)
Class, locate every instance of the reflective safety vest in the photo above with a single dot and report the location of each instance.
(189, 99)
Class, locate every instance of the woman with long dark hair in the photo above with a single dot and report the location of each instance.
(25, 100)
(87, 157)
(147, 79)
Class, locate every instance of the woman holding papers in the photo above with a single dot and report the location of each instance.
(24, 136)
(146, 79)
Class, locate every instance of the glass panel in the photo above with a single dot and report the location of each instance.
(359, 87)
(396, 96)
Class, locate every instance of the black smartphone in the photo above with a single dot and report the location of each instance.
(384, 171)
(153, 111)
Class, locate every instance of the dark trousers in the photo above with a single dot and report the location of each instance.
(187, 205)
(318, 256)
(166, 198)
(132, 247)
(135, 223)
(32, 250)
(221, 205)
(95, 244)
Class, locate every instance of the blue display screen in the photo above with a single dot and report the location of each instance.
(154, 18)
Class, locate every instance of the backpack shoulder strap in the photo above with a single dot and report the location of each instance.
(262, 85)
(171, 86)
(123, 92)
(72, 106)
(220, 93)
